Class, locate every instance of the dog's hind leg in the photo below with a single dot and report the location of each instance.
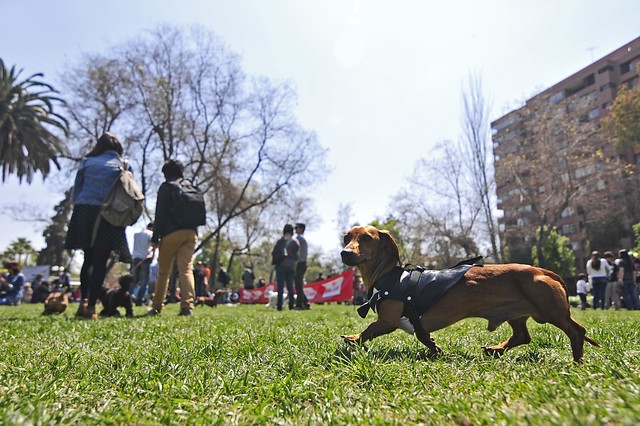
(520, 337)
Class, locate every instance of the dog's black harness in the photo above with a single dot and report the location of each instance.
(416, 286)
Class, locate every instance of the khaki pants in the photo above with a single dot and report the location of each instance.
(180, 245)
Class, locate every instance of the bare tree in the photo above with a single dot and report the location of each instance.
(476, 146)
(181, 94)
(436, 214)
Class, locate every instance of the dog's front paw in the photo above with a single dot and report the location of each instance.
(353, 339)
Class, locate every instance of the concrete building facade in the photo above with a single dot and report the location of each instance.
(554, 166)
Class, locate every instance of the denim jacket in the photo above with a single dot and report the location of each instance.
(95, 178)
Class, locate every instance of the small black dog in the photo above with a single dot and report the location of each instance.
(114, 296)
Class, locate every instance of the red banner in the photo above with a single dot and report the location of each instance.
(338, 288)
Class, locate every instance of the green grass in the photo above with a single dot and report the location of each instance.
(249, 365)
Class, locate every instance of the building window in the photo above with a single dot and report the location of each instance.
(607, 86)
(607, 105)
(625, 67)
(567, 212)
(604, 69)
(569, 229)
(554, 99)
(594, 113)
(575, 245)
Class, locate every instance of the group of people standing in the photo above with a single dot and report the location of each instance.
(613, 281)
(289, 256)
(98, 239)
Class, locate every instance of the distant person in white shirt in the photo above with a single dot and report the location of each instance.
(581, 289)
(142, 257)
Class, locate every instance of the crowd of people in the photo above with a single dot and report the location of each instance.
(613, 282)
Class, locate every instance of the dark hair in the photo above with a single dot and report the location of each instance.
(107, 142)
(172, 169)
(288, 229)
(595, 264)
(301, 225)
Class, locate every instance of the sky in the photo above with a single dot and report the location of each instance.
(380, 82)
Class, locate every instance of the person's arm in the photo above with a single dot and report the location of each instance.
(163, 207)
(77, 185)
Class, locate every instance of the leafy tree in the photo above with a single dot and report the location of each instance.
(623, 121)
(557, 255)
(55, 234)
(27, 118)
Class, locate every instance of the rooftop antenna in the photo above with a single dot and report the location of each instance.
(591, 50)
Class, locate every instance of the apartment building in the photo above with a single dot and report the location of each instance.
(554, 166)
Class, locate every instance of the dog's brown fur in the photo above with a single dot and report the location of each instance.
(211, 301)
(56, 303)
(498, 293)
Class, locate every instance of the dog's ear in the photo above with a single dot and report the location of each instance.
(389, 244)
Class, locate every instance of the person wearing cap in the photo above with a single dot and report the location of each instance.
(626, 276)
(142, 257)
(11, 284)
(598, 271)
(284, 257)
(301, 267)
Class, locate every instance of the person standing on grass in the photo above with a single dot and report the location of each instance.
(173, 242)
(96, 175)
(142, 257)
(626, 276)
(611, 293)
(284, 257)
(598, 271)
(301, 267)
(581, 289)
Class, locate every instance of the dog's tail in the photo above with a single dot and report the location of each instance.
(591, 341)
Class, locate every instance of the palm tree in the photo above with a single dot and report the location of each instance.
(23, 250)
(26, 120)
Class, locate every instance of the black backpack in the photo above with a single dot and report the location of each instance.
(188, 208)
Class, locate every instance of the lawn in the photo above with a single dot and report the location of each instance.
(249, 365)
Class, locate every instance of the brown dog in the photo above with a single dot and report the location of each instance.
(498, 293)
(211, 301)
(56, 303)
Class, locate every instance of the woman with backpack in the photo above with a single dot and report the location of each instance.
(97, 238)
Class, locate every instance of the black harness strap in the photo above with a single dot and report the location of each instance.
(409, 304)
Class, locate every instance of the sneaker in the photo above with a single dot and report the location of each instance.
(153, 312)
(185, 312)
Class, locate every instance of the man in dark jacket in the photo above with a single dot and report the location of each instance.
(173, 242)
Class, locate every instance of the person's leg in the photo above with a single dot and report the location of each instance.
(185, 267)
(85, 274)
(628, 295)
(280, 279)
(166, 252)
(608, 294)
(144, 268)
(100, 257)
(299, 280)
(583, 301)
(290, 274)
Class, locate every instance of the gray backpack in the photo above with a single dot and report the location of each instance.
(123, 204)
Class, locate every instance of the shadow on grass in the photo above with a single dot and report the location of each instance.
(349, 354)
